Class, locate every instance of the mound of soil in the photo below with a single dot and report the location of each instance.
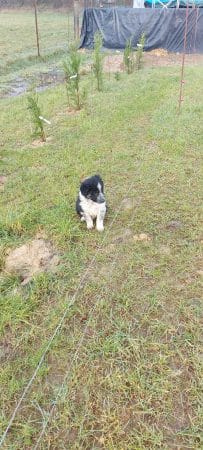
(30, 259)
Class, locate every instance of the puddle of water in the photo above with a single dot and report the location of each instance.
(16, 88)
(49, 79)
(43, 81)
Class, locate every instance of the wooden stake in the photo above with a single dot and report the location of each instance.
(196, 21)
(36, 27)
(76, 19)
(183, 60)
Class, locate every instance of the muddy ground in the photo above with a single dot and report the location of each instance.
(43, 80)
(112, 64)
(158, 57)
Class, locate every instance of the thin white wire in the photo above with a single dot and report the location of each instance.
(60, 390)
(76, 352)
(3, 437)
(68, 372)
(122, 286)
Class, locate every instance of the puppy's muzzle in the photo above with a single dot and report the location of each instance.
(100, 198)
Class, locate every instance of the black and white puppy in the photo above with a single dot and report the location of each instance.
(91, 203)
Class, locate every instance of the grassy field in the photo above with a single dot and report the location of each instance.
(18, 51)
(125, 370)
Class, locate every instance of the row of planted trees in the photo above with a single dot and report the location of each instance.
(76, 94)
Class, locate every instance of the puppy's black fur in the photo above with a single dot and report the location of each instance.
(89, 188)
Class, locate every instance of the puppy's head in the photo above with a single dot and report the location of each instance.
(93, 189)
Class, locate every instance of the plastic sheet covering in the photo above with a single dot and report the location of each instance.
(163, 28)
(173, 3)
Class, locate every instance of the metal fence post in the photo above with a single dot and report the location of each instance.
(36, 27)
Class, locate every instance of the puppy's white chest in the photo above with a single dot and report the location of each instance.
(92, 208)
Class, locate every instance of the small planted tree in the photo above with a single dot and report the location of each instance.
(128, 57)
(36, 117)
(71, 69)
(117, 76)
(139, 52)
(98, 60)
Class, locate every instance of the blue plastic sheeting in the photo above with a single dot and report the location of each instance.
(173, 3)
(163, 28)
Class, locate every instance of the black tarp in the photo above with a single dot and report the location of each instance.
(164, 28)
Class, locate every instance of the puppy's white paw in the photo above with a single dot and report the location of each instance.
(89, 226)
(100, 227)
(82, 219)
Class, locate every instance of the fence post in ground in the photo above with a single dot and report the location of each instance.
(36, 27)
(183, 59)
(76, 19)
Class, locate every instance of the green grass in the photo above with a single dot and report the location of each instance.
(18, 55)
(136, 381)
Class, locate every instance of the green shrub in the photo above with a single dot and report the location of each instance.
(117, 76)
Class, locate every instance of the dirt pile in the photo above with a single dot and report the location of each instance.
(30, 259)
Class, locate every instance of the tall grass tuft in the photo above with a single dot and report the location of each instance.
(98, 60)
(35, 113)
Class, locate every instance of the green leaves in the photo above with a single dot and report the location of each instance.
(71, 69)
(139, 52)
(35, 113)
(134, 60)
(128, 58)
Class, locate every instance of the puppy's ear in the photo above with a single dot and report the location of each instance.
(99, 180)
(85, 187)
(98, 177)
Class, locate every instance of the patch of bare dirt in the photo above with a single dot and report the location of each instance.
(40, 143)
(68, 112)
(123, 237)
(4, 351)
(3, 180)
(165, 250)
(158, 57)
(142, 237)
(152, 146)
(200, 273)
(30, 259)
(128, 204)
(113, 63)
(174, 225)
